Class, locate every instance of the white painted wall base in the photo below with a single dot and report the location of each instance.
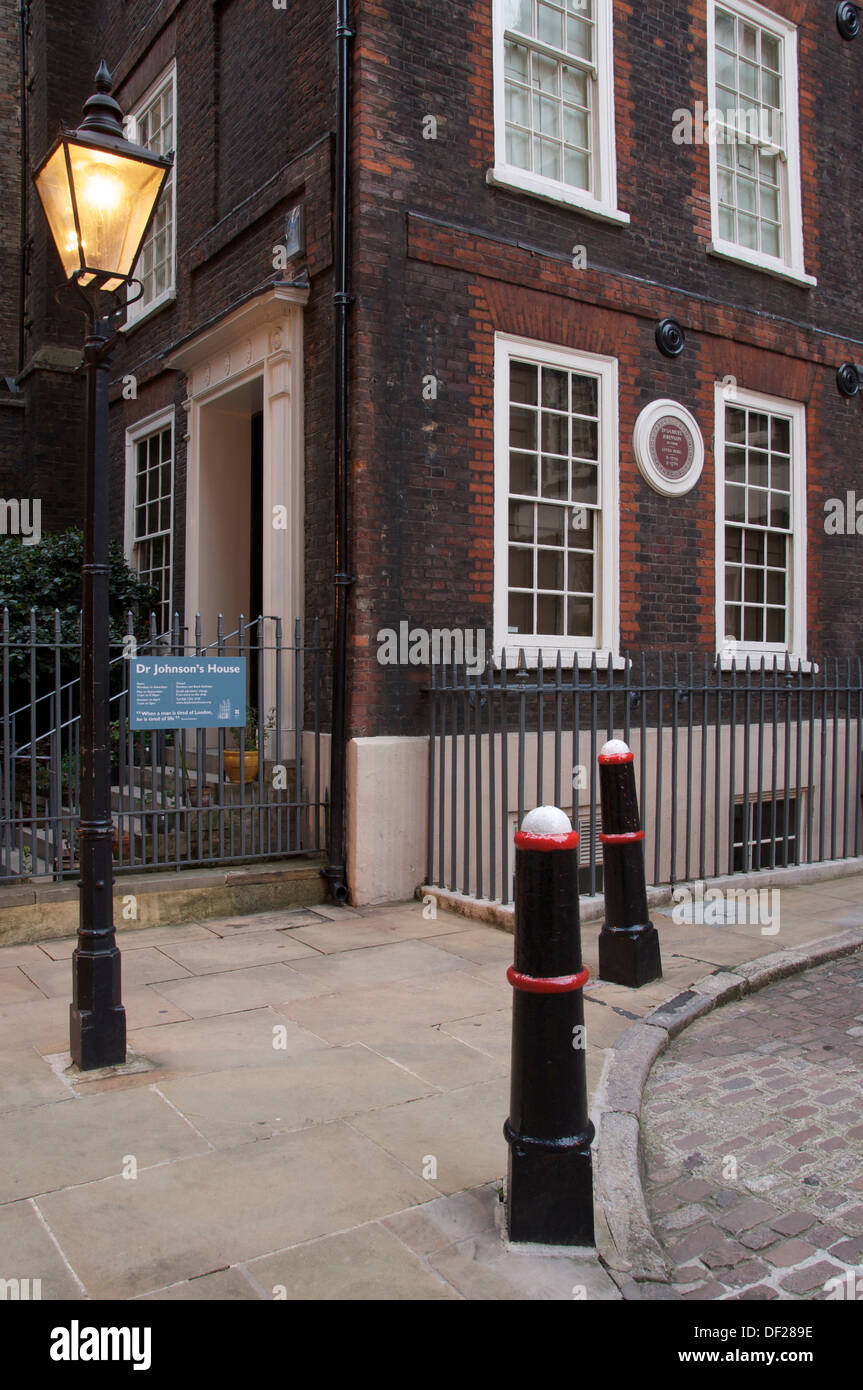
(387, 811)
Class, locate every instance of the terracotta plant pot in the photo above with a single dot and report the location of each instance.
(127, 843)
(232, 764)
(200, 794)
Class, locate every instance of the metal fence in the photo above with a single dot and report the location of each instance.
(180, 798)
(739, 767)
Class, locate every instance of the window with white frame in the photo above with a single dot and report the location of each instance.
(153, 124)
(554, 102)
(760, 481)
(150, 509)
(555, 500)
(753, 138)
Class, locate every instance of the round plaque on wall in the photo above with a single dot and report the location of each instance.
(669, 447)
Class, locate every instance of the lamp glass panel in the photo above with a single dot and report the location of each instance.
(115, 196)
(52, 185)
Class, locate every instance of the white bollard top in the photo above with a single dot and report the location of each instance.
(546, 820)
(615, 748)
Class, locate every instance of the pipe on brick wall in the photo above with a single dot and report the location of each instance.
(336, 870)
(23, 31)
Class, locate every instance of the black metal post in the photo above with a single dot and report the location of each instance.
(629, 942)
(336, 869)
(97, 1019)
(550, 1187)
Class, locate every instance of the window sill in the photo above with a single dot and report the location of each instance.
(581, 656)
(155, 308)
(520, 181)
(726, 251)
(768, 661)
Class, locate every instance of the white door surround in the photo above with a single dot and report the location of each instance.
(263, 339)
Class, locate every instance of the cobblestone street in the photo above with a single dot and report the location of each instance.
(753, 1143)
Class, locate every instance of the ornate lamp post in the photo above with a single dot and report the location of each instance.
(99, 193)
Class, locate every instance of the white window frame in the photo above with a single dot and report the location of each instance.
(768, 652)
(794, 267)
(580, 649)
(135, 435)
(137, 312)
(505, 175)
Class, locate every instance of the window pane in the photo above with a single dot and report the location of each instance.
(555, 389)
(555, 478)
(549, 615)
(580, 617)
(522, 428)
(520, 613)
(520, 568)
(522, 474)
(549, 569)
(584, 399)
(522, 383)
(521, 521)
(550, 525)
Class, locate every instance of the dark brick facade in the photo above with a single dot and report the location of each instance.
(441, 262)
(444, 261)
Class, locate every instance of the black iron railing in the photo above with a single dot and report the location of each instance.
(177, 801)
(741, 764)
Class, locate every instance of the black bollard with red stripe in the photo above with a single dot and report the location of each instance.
(629, 942)
(550, 1189)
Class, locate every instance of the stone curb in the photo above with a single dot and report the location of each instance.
(631, 1249)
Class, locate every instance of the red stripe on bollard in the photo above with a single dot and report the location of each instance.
(606, 758)
(558, 984)
(524, 840)
(625, 837)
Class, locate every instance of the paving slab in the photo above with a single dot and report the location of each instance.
(482, 1268)
(138, 968)
(192, 1217)
(42, 1022)
(490, 1033)
(17, 988)
(367, 1263)
(232, 991)
(130, 939)
(460, 1131)
(377, 965)
(219, 954)
(223, 1286)
(361, 1013)
(356, 932)
(81, 1141)
(28, 1252)
(437, 1058)
(26, 1080)
(242, 1039)
(246, 1105)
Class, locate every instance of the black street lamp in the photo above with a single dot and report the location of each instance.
(99, 193)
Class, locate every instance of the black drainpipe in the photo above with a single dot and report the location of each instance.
(23, 251)
(336, 870)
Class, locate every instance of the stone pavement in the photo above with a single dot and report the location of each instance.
(753, 1141)
(319, 1107)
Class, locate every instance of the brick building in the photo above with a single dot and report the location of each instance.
(535, 186)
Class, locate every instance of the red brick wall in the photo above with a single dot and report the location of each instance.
(443, 261)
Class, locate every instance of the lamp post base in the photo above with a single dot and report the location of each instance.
(549, 1196)
(97, 1034)
(630, 956)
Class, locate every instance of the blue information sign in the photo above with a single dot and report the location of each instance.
(187, 692)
